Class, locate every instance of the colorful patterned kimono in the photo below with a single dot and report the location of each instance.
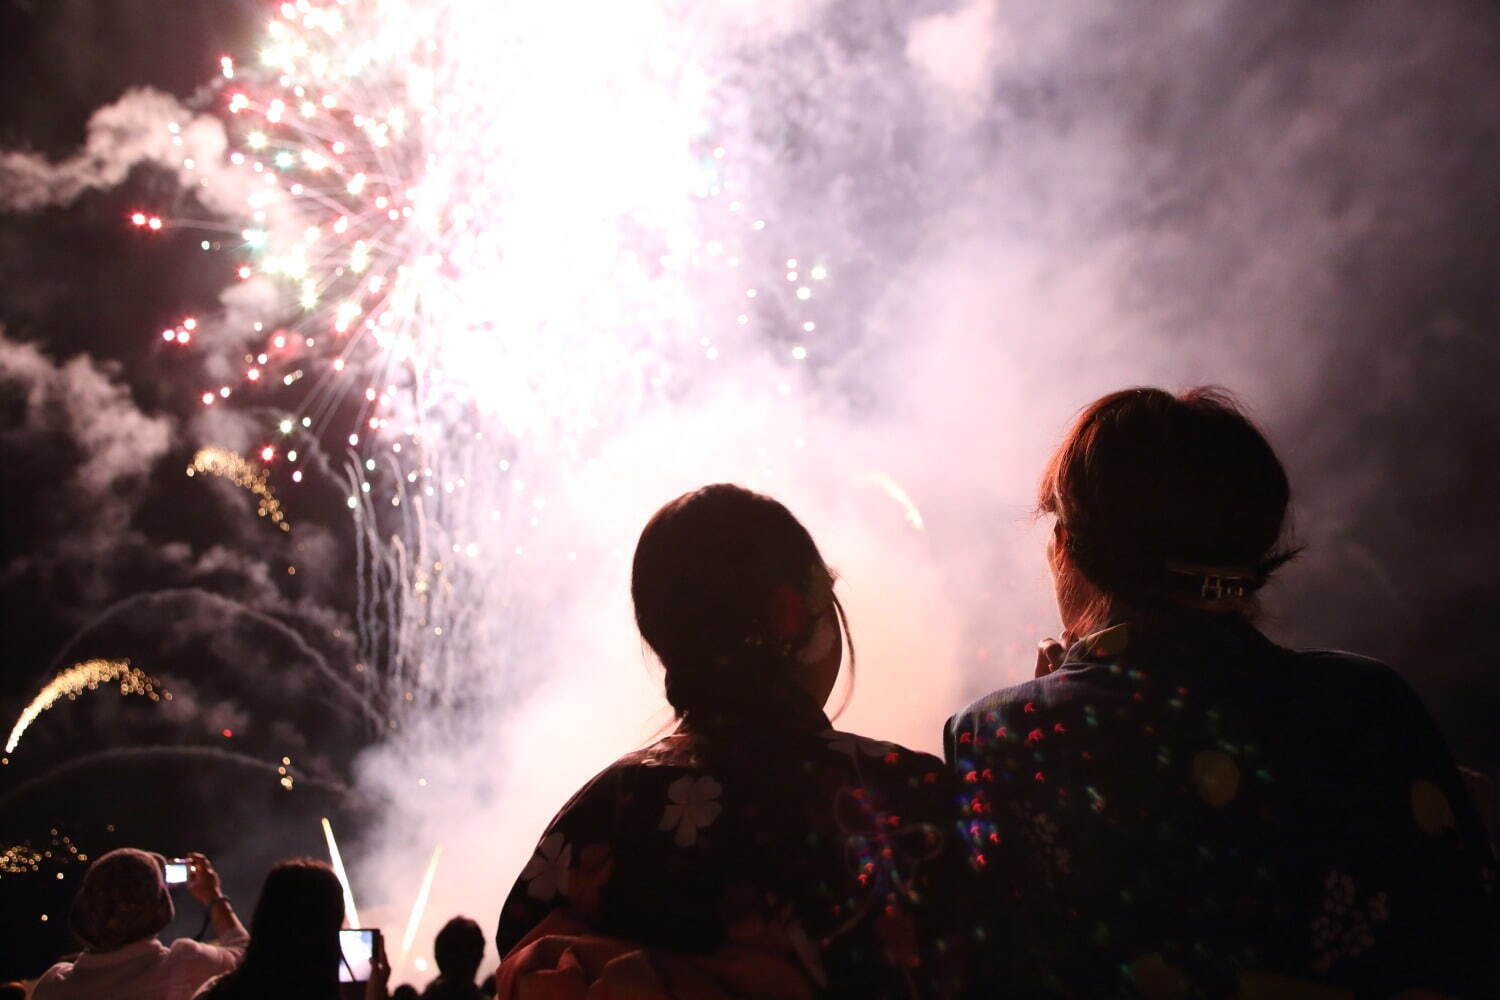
(1184, 809)
(814, 847)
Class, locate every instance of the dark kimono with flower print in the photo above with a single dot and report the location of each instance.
(1185, 809)
(828, 849)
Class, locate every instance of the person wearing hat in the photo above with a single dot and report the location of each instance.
(121, 907)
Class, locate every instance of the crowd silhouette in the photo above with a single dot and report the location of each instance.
(1173, 807)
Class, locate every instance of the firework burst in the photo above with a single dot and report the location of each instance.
(495, 239)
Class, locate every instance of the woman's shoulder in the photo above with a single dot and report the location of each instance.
(659, 763)
(864, 748)
(1356, 685)
(1339, 664)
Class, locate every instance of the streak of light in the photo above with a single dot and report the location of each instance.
(351, 913)
(896, 492)
(419, 905)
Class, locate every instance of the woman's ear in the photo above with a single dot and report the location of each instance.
(1057, 544)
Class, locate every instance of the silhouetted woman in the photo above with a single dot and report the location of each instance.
(1183, 807)
(754, 828)
(294, 941)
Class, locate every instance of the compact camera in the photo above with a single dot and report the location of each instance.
(176, 871)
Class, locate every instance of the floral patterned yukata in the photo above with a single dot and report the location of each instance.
(826, 848)
(1184, 809)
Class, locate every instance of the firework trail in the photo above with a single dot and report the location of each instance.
(351, 913)
(419, 905)
(242, 473)
(148, 756)
(80, 678)
(158, 604)
(898, 493)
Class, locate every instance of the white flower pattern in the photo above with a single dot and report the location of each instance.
(546, 874)
(692, 806)
(1344, 929)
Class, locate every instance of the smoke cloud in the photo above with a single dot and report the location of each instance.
(131, 131)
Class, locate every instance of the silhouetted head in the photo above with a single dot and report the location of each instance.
(1163, 498)
(124, 898)
(294, 935)
(459, 948)
(735, 600)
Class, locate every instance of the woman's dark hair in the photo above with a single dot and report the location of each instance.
(1146, 482)
(294, 935)
(709, 570)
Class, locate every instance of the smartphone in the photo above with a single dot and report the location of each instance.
(357, 946)
(176, 871)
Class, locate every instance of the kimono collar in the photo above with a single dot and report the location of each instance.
(795, 714)
(1174, 628)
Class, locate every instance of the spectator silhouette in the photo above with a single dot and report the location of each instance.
(294, 943)
(122, 905)
(755, 830)
(458, 948)
(1182, 807)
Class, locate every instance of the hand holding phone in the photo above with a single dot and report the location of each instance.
(380, 971)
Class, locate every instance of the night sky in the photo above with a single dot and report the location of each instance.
(1379, 390)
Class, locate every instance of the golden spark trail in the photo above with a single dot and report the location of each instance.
(244, 474)
(419, 905)
(77, 679)
(351, 914)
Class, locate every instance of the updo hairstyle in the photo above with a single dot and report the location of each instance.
(728, 586)
(1168, 498)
